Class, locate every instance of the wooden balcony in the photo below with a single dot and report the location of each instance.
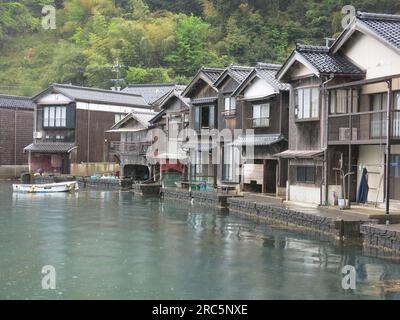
(264, 122)
(362, 128)
(129, 148)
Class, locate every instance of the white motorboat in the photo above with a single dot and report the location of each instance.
(67, 186)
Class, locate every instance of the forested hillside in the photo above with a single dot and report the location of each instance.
(156, 40)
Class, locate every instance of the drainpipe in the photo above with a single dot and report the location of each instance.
(388, 146)
(324, 141)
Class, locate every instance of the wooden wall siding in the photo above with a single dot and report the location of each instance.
(228, 86)
(304, 135)
(275, 115)
(15, 135)
(203, 91)
(99, 122)
(284, 97)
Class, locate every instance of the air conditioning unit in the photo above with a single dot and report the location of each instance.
(344, 134)
(38, 135)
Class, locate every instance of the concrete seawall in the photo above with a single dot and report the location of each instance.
(318, 220)
(383, 239)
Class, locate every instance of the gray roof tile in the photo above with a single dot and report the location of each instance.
(150, 92)
(7, 101)
(326, 62)
(50, 147)
(212, 73)
(268, 72)
(258, 140)
(98, 95)
(238, 73)
(386, 26)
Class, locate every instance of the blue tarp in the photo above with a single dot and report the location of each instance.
(363, 189)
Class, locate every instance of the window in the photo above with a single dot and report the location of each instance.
(230, 104)
(204, 117)
(378, 123)
(307, 103)
(396, 116)
(395, 166)
(343, 101)
(55, 116)
(261, 115)
(306, 174)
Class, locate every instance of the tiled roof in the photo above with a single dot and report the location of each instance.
(387, 26)
(7, 101)
(238, 73)
(204, 100)
(212, 73)
(258, 140)
(97, 95)
(150, 92)
(143, 117)
(50, 147)
(268, 72)
(326, 62)
(175, 92)
(301, 154)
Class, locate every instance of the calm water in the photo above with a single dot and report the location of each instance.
(114, 245)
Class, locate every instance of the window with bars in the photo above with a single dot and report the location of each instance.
(55, 117)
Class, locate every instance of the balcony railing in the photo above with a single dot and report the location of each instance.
(264, 122)
(362, 127)
(129, 148)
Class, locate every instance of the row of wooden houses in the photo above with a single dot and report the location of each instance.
(310, 128)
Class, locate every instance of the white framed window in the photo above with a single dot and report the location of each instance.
(55, 116)
(307, 103)
(230, 104)
(261, 115)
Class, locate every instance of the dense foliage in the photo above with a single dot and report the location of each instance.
(156, 40)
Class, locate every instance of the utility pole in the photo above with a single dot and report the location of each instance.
(118, 81)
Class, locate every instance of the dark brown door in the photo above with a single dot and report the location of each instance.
(270, 176)
(65, 165)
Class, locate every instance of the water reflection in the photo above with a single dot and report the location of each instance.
(116, 245)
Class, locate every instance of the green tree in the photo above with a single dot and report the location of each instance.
(190, 52)
(148, 75)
